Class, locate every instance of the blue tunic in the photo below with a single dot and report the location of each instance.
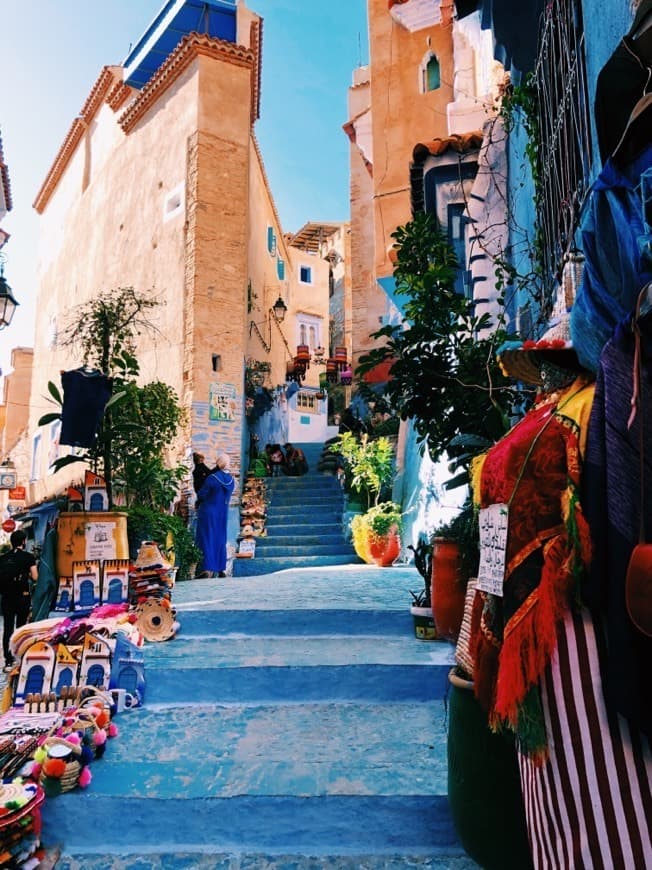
(212, 516)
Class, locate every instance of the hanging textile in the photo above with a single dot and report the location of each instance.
(535, 469)
(589, 805)
(614, 268)
(85, 394)
(611, 494)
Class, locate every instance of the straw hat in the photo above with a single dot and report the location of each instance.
(155, 620)
(522, 359)
(150, 556)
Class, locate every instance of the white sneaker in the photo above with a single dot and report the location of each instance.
(8, 669)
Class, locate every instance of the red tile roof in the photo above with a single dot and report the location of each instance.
(4, 179)
(460, 142)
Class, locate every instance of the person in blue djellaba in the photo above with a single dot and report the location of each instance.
(212, 517)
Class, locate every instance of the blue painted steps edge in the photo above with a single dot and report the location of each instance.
(377, 682)
(347, 824)
(296, 622)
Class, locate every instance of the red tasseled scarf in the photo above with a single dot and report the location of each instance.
(506, 670)
(530, 636)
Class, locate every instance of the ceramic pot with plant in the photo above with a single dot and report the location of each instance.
(384, 522)
(455, 554)
(421, 607)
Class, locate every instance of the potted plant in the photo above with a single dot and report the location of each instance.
(377, 534)
(368, 463)
(421, 608)
(455, 558)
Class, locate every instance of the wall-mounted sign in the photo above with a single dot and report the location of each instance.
(17, 493)
(8, 477)
(221, 403)
(9, 525)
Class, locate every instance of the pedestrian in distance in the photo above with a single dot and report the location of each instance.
(295, 461)
(18, 573)
(200, 471)
(276, 459)
(212, 517)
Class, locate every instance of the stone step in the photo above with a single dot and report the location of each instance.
(296, 623)
(257, 566)
(324, 482)
(332, 828)
(322, 649)
(314, 527)
(314, 501)
(297, 683)
(303, 549)
(300, 538)
(281, 516)
(306, 750)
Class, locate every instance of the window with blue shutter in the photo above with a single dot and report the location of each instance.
(271, 241)
(280, 269)
(305, 274)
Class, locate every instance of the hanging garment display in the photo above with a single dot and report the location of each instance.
(612, 495)
(535, 469)
(85, 394)
(615, 268)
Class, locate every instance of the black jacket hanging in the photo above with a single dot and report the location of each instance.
(85, 394)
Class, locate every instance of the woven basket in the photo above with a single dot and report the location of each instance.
(70, 776)
(463, 655)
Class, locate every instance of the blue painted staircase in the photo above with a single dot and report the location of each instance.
(304, 523)
(291, 725)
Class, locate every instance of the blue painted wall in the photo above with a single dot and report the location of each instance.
(605, 22)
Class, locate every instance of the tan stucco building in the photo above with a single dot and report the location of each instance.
(418, 108)
(160, 185)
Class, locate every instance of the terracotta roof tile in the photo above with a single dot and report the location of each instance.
(191, 46)
(118, 95)
(256, 43)
(4, 179)
(460, 142)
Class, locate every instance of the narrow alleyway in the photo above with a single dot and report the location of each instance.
(295, 721)
(304, 523)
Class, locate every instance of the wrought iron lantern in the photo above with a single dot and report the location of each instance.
(8, 304)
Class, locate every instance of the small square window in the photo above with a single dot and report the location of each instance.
(305, 274)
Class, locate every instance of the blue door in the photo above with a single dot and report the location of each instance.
(65, 679)
(128, 680)
(115, 591)
(86, 593)
(34, 681)
(95, 676)
(96, 502)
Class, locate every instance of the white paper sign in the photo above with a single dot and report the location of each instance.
(100, 543)
(247, 545)
(493, 522)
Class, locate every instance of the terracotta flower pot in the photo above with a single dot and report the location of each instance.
(447, 588)
(384, 550)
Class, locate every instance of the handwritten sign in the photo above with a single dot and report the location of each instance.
(100, 541)
(493, 522)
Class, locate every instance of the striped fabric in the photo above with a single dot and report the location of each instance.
(590, 806)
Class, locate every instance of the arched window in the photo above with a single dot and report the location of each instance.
(303, 334)
(430, 73)
(313, 337)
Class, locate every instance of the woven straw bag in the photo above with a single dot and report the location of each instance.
(70, 776)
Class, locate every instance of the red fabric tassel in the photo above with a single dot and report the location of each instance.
(530, 636)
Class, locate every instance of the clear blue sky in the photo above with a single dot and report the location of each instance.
(53, 50)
